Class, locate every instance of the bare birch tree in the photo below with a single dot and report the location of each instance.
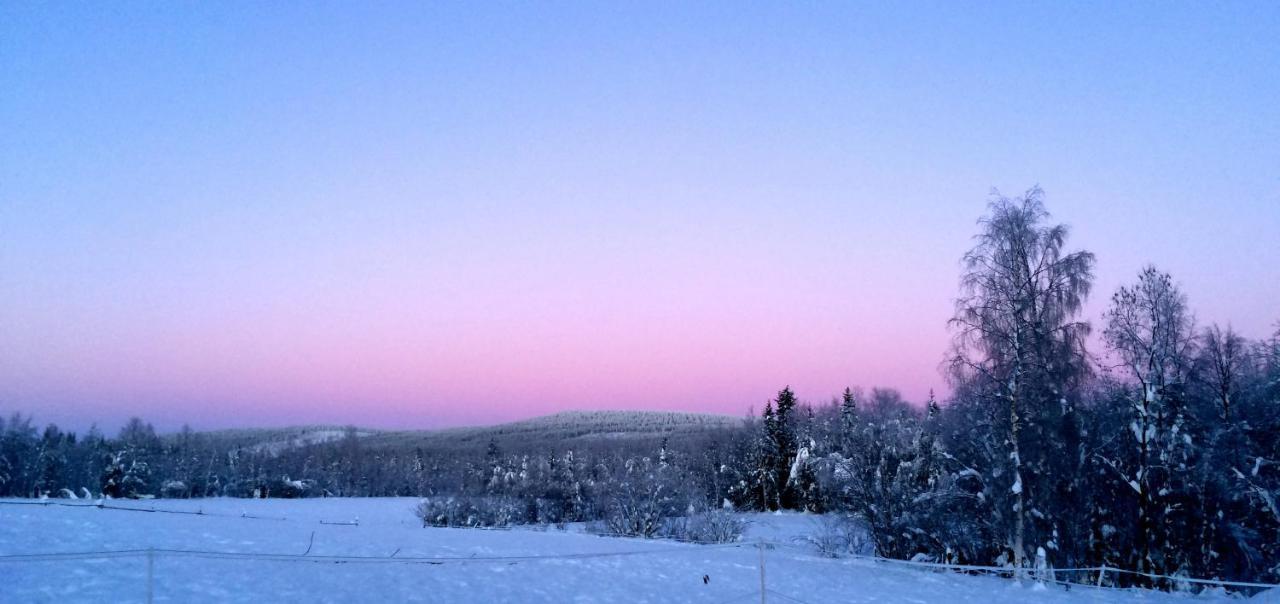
(1151, 333)
(1018, 351)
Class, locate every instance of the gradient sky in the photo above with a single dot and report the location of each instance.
(423, 215)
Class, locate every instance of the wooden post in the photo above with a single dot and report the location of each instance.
(1102, 573)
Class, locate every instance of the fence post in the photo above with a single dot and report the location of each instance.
(760, 547)
(1102, 572)
(151, 567)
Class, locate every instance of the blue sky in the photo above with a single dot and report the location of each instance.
(436, 213)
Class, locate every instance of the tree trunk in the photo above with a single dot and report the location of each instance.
(1019, 488)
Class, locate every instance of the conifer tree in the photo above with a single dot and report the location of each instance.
(767, 459)
(783, 437)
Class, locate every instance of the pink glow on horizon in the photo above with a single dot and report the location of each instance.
(413, 370)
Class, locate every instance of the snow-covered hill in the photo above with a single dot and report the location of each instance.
(592, 425)
(565, 428)
(292, 542)
(274, 440)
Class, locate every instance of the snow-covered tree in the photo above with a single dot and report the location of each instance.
(1018, 361)
(1149, 330)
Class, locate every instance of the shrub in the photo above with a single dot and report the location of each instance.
(174, 489)
(837, 535)
(714, 526)
(478, 512)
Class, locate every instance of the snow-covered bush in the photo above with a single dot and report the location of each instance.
(836, 535)
(638, 496)
(174, 489)
(548, 511)
(630, 520)
(126, 475)
(478, 512)
(714, 526)
(289, 489)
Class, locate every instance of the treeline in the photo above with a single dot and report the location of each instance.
(1158, 451)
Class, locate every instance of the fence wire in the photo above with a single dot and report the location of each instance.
(1048, 575)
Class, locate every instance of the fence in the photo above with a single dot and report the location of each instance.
(1093, 577)
(103, 505)
(764, 593)
(151, 554)
(1049, 575)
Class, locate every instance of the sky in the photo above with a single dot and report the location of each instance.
(427, 214)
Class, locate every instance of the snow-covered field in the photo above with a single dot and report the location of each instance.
(557, 566)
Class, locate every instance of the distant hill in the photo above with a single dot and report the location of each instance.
(275, 440)
(596, 424)
(568, 429)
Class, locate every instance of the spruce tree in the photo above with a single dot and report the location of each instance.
(766, 473)
(784, 443)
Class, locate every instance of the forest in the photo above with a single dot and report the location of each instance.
(1137, 440)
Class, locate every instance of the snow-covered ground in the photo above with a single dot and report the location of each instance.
(564, 566)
